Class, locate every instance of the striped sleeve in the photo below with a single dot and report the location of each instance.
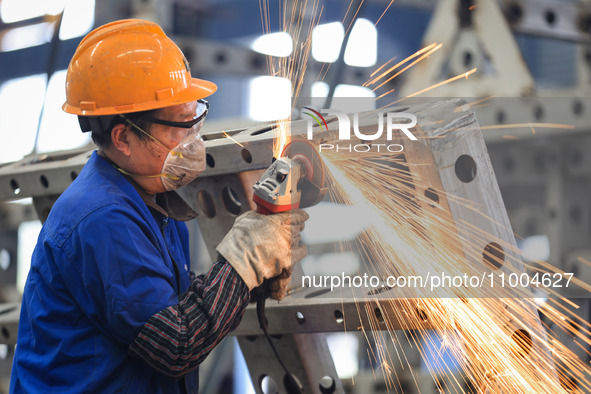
(177, 339)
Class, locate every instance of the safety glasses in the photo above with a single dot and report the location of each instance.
(200, 114)
(192, 128)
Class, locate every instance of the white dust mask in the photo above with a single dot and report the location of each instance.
(186, 161)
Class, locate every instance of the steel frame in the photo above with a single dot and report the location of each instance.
(223, 192)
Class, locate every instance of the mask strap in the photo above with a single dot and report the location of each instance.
(171, 177)
(174, 153)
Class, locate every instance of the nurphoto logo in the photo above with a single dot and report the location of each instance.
(400, 122)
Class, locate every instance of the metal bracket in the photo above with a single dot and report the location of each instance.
(223, 192)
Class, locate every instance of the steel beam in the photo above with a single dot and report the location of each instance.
(223, 192)
(472, 38)
(553, 19)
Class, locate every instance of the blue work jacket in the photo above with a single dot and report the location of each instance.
(103, 265)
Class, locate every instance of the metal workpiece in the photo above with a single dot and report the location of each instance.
(449, 159)
(208, 56)
(306, 355)
(574, 337)
(13, 214)
(553, 19)
(314, 310)
(41, 175)
(236, 160)
(545, 184)
(506, 119)
(50, 174)
(538, 177)
(545, 179)
(463, 170)
(447, 166)
(471, 37)
(567, 208)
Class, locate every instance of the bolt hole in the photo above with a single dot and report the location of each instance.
(73, 175)
(338, 316)
(432, 195)
(422, 315)
(231, 201)
(317, 293)
(263, 130)
(292, 384)
(209, 160)
(584, 23)
(257, 62)
(538, 112)
(327, 385)
(524, 341)
(570, 383)
(514, 13)
(379, 316)
(438, 386)
(44, 181)
(573, 326)
(399, 109)
(300, 317)
(550, 17)
(578, 108)
(379, 290)
(220, 57)
(251, 338)
(501, 117)
(575, 214)
(4, 259)
(268, 385)
(205, 202)
(5, 333)
(468, 59)
(246, 155)
(14, 185)
(493, 256)
(465, 168)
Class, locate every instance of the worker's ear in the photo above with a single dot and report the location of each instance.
(120, 136)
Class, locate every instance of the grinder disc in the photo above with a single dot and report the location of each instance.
(312, 186)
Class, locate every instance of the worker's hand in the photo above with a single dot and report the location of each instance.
(262, 247)
(277, 286)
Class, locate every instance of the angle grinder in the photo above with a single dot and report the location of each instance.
(294, 180)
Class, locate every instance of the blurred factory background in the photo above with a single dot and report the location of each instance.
(536, 53)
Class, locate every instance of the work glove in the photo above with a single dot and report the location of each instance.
(263, 247)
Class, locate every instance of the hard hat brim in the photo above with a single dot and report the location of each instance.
(198, 89)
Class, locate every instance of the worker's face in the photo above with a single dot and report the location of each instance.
(169, 136)
(154, 151)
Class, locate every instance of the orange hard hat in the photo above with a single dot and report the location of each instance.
(129, 66)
